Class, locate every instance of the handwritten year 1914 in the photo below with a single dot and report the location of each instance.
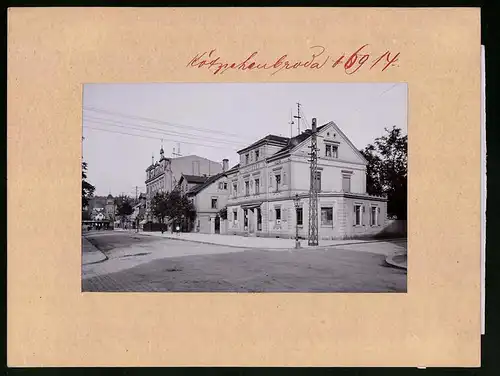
(318, 59)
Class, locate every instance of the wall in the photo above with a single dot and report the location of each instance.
(342, 225)
(395, 227)
(184, 165)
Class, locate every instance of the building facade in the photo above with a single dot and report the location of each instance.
(209, 198)
(275, 169)
(164, 175)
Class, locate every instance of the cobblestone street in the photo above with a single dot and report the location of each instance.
(139, 263)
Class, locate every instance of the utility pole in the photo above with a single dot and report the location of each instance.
(298, 118)
(313, 188)
(291, 124)
(136, 218)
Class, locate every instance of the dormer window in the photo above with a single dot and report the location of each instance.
(331, 151)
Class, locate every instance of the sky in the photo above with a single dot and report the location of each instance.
(124, 125)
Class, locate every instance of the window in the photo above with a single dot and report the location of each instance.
(235, 189)
(346, 183)
(247, 158)
(374, 216)
(357, 215)
(256, 155)
(225, 186)
(278, 182)
(331, 151)
(221, 185)
(214, 203)
(327, 216)
(300, 216)
(235, 215)
(257, 186)
(247, 188)
(245, 218)
(335, 151)
(278, 213)
(318, 181)
(328, 150)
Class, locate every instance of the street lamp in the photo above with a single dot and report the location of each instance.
(296, 202)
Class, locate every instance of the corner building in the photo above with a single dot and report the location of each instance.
(274, 169)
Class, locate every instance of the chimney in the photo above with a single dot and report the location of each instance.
(314, 125)
(225, 164)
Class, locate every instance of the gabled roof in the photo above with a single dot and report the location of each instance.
(270, 138)
(193, 179)
(297, 140)
(294, 141)
(198, 188)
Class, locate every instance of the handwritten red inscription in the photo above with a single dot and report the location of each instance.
(318, 59)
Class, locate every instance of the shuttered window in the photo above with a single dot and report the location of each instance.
(346, 183)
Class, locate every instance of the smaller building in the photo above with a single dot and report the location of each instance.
(99, 213)
(209, 198)
(187, 182)
(139, 214)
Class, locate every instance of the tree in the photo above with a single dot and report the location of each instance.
(180, 207)
(87, 188)
(223, 213)
(124, 207)
(387, 170)
(159, 206)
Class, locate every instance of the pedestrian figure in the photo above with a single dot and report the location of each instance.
(178, 229)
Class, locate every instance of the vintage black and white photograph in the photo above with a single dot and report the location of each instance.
(244, 187)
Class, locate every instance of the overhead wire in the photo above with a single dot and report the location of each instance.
(109, 122)
(156, 138)
(157, 121)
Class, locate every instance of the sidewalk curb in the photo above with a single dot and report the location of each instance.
(102, 256)
(390, 260)
(271, 249)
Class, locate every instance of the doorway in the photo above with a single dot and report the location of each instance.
(259, 220)
(217, 224)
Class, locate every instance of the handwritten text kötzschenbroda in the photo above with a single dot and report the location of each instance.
(318, 59)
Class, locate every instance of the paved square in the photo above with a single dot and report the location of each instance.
(139, 263)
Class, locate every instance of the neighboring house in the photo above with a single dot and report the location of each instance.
(98, 214)
(139, 211)
(104, 204)
(208, 199)
(187, 182)
(274, 169)
(164, 175)
(110, 208)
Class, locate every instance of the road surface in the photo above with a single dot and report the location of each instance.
(137, 263)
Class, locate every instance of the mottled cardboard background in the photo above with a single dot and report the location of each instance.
(53, 51)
